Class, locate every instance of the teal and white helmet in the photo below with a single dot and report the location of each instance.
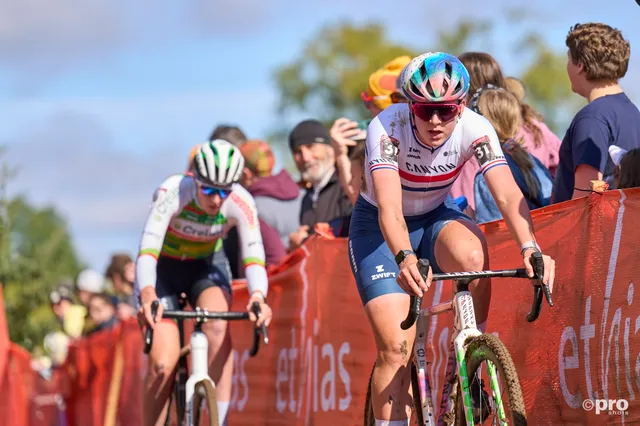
(218, 163)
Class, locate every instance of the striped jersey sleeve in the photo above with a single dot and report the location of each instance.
(486, 148)
(381, 148)
(241, 210)
(166, 204)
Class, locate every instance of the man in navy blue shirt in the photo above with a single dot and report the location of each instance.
(598, 57)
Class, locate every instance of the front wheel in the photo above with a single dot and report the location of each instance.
(506, 404)
(205, 394)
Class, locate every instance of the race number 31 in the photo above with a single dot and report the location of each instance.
(389, 148)
(483, 151)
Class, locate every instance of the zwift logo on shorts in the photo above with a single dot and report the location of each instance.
(382, 274)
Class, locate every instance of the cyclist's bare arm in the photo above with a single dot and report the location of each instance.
(387, 188)
(511, 203)
(165, 205)
(516, 214)
(386, 184)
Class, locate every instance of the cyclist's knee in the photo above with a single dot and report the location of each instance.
(163, 362)
(395, 354)
(161, 367)
(475, 260)
(216, 331)
(165, 351)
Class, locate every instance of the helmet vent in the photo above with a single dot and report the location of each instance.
(430, 89)
(448, 68)
(458, 87)
(423, 72)
(414, 88)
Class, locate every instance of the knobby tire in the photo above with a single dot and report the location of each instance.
(488, 347)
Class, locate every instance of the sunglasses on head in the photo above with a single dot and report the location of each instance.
(395, 97)
(446, 112)
(211, 190)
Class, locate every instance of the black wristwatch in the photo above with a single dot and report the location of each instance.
(402, 255)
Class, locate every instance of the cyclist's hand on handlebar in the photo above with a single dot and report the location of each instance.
(265, 310)
(147, 296)
(409, 277)
(549, 267)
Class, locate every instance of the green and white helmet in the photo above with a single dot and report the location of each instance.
(218, 163)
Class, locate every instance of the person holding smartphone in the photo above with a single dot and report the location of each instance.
(346, 136)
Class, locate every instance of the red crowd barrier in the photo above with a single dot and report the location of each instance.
(316, 366)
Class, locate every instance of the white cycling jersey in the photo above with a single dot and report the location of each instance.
(426, 173)
(178, 228)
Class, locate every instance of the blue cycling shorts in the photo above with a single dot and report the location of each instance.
(372, 263)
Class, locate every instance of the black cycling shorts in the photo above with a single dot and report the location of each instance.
(191, 277)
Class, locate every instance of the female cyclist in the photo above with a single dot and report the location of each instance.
(414, 152)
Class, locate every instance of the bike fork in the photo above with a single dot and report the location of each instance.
(464, 328)
(199, 369)
(448, 399)
(495, 389)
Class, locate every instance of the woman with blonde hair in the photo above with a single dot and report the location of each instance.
(516, 87)
(502, 109)
(536, 137)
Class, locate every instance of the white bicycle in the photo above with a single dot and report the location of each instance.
(199, 390)
(464, 401)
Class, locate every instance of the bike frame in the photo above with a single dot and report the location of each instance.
(464, 328)
(199, 368)
(199, 349)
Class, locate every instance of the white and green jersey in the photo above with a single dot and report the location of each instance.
(178, 228)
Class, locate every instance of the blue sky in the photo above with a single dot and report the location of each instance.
(99, 104)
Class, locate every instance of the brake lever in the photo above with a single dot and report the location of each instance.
(414, 301)
(539, 288)
(148, 335)
(255, 308)
(538, 267)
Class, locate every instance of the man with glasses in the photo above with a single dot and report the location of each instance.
(181, 252)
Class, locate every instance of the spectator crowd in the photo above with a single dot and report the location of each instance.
(602, 143)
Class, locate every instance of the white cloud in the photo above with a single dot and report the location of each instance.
(99, 160)
(136, 123)
(26, 24)
(70, 161)
(43, 37)
(240, 17)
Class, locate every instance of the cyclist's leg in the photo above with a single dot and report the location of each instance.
(390, 390)
(213, 292)
(162, 360)
(173, 278)
(160, 372)
(454, 243)
(385, 304)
